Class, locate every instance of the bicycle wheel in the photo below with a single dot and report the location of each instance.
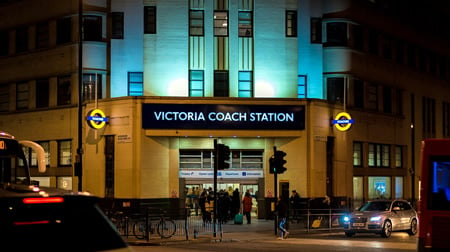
(139, 229)
(166, 228)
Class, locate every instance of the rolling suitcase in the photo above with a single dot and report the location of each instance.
(238, 219)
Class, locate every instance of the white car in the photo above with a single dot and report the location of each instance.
(382, 217)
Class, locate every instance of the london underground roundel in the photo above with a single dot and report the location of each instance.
(343, 121)
(97, 119)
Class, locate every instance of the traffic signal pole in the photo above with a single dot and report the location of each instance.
(275, 190)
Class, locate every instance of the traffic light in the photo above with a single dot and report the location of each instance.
(276, 163)
(223, 152)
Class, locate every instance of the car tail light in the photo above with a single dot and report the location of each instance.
(43, 200)
(20, 223)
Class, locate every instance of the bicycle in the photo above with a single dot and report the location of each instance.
(165, 227)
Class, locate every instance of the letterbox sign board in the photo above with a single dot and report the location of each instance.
(213, 116)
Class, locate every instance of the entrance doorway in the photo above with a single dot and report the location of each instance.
(194, 189)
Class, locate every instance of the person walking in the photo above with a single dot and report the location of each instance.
(281, 210)
(235, 203)
(294, 201)
(247, 207)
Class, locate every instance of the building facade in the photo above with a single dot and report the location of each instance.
(347, 89)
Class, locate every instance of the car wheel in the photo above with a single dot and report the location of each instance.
(413, 229)
(387, 229)
(349, 234)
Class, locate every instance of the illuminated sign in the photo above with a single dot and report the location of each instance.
(343, 121)
(221, 174)
(211, 116)
(97, 119)
(2, 145)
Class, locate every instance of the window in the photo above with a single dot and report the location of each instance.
(204, 159)
(63, 30)
(398, 156)
(428, 117)
(196, 159)
(92, 28)
(64, 152)
(117, 25)
(386, 47)
(42, 93)
(63, 90)
(92, 85)
(291, 23)
(316, 30)
(46, 146)
(135, 83)
(379, 155)
(358, 91)
(372, 96)
(42, 35)
(358, 37)
(21, 39)
(335, 89)
(445, 119)
(150, 20)
(301, 86)
(373, 42)
(220, 23)
(357, 154)
(4, 97)
(22, 95)
(411, 55)
(4, 43)
(379, 187)
(196, 83)
(196, 23)
(245, 85)
(422, 57)
(399, 189)
(221, 88)
(400, 52)
(245, 24)
(336, 34)
(387, 100)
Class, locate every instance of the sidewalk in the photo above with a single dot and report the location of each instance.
(259, 229)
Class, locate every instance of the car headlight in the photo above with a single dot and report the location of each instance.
(375, 218)
(346, 219)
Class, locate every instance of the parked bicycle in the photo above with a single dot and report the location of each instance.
(164, 226)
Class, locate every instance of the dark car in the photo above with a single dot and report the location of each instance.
(382, 217)
(50, 219)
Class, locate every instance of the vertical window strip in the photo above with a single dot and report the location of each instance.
(4, 97)
(22, 95)
(64, 152)
(245, 24)
(221, 23)
(4, 43)
(117, 29)
(135, 83)
(63, 90)
(301, 86)
(196, 23)
(291, 23)
(357, 154)
(245, 85)
(149, 19)
(398, 156)
(196, 83)
(316, 30)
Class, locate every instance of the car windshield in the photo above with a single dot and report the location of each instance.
(376, 206)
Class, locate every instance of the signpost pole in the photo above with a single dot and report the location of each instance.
(275, 190)
(216, 164)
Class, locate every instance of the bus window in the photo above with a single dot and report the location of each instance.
(440, 185)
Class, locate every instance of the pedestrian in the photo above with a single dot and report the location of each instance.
(281, 211)
(235, 203)
(247, 206)
(294, 201)
(202, 201)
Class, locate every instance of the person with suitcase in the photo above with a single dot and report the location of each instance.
(247, 207)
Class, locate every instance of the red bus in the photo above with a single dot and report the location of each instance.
(434, 202)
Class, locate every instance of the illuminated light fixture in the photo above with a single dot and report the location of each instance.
(343, 121)
(43, 200)
(178, 87)
(19, 223)
(264, 89)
